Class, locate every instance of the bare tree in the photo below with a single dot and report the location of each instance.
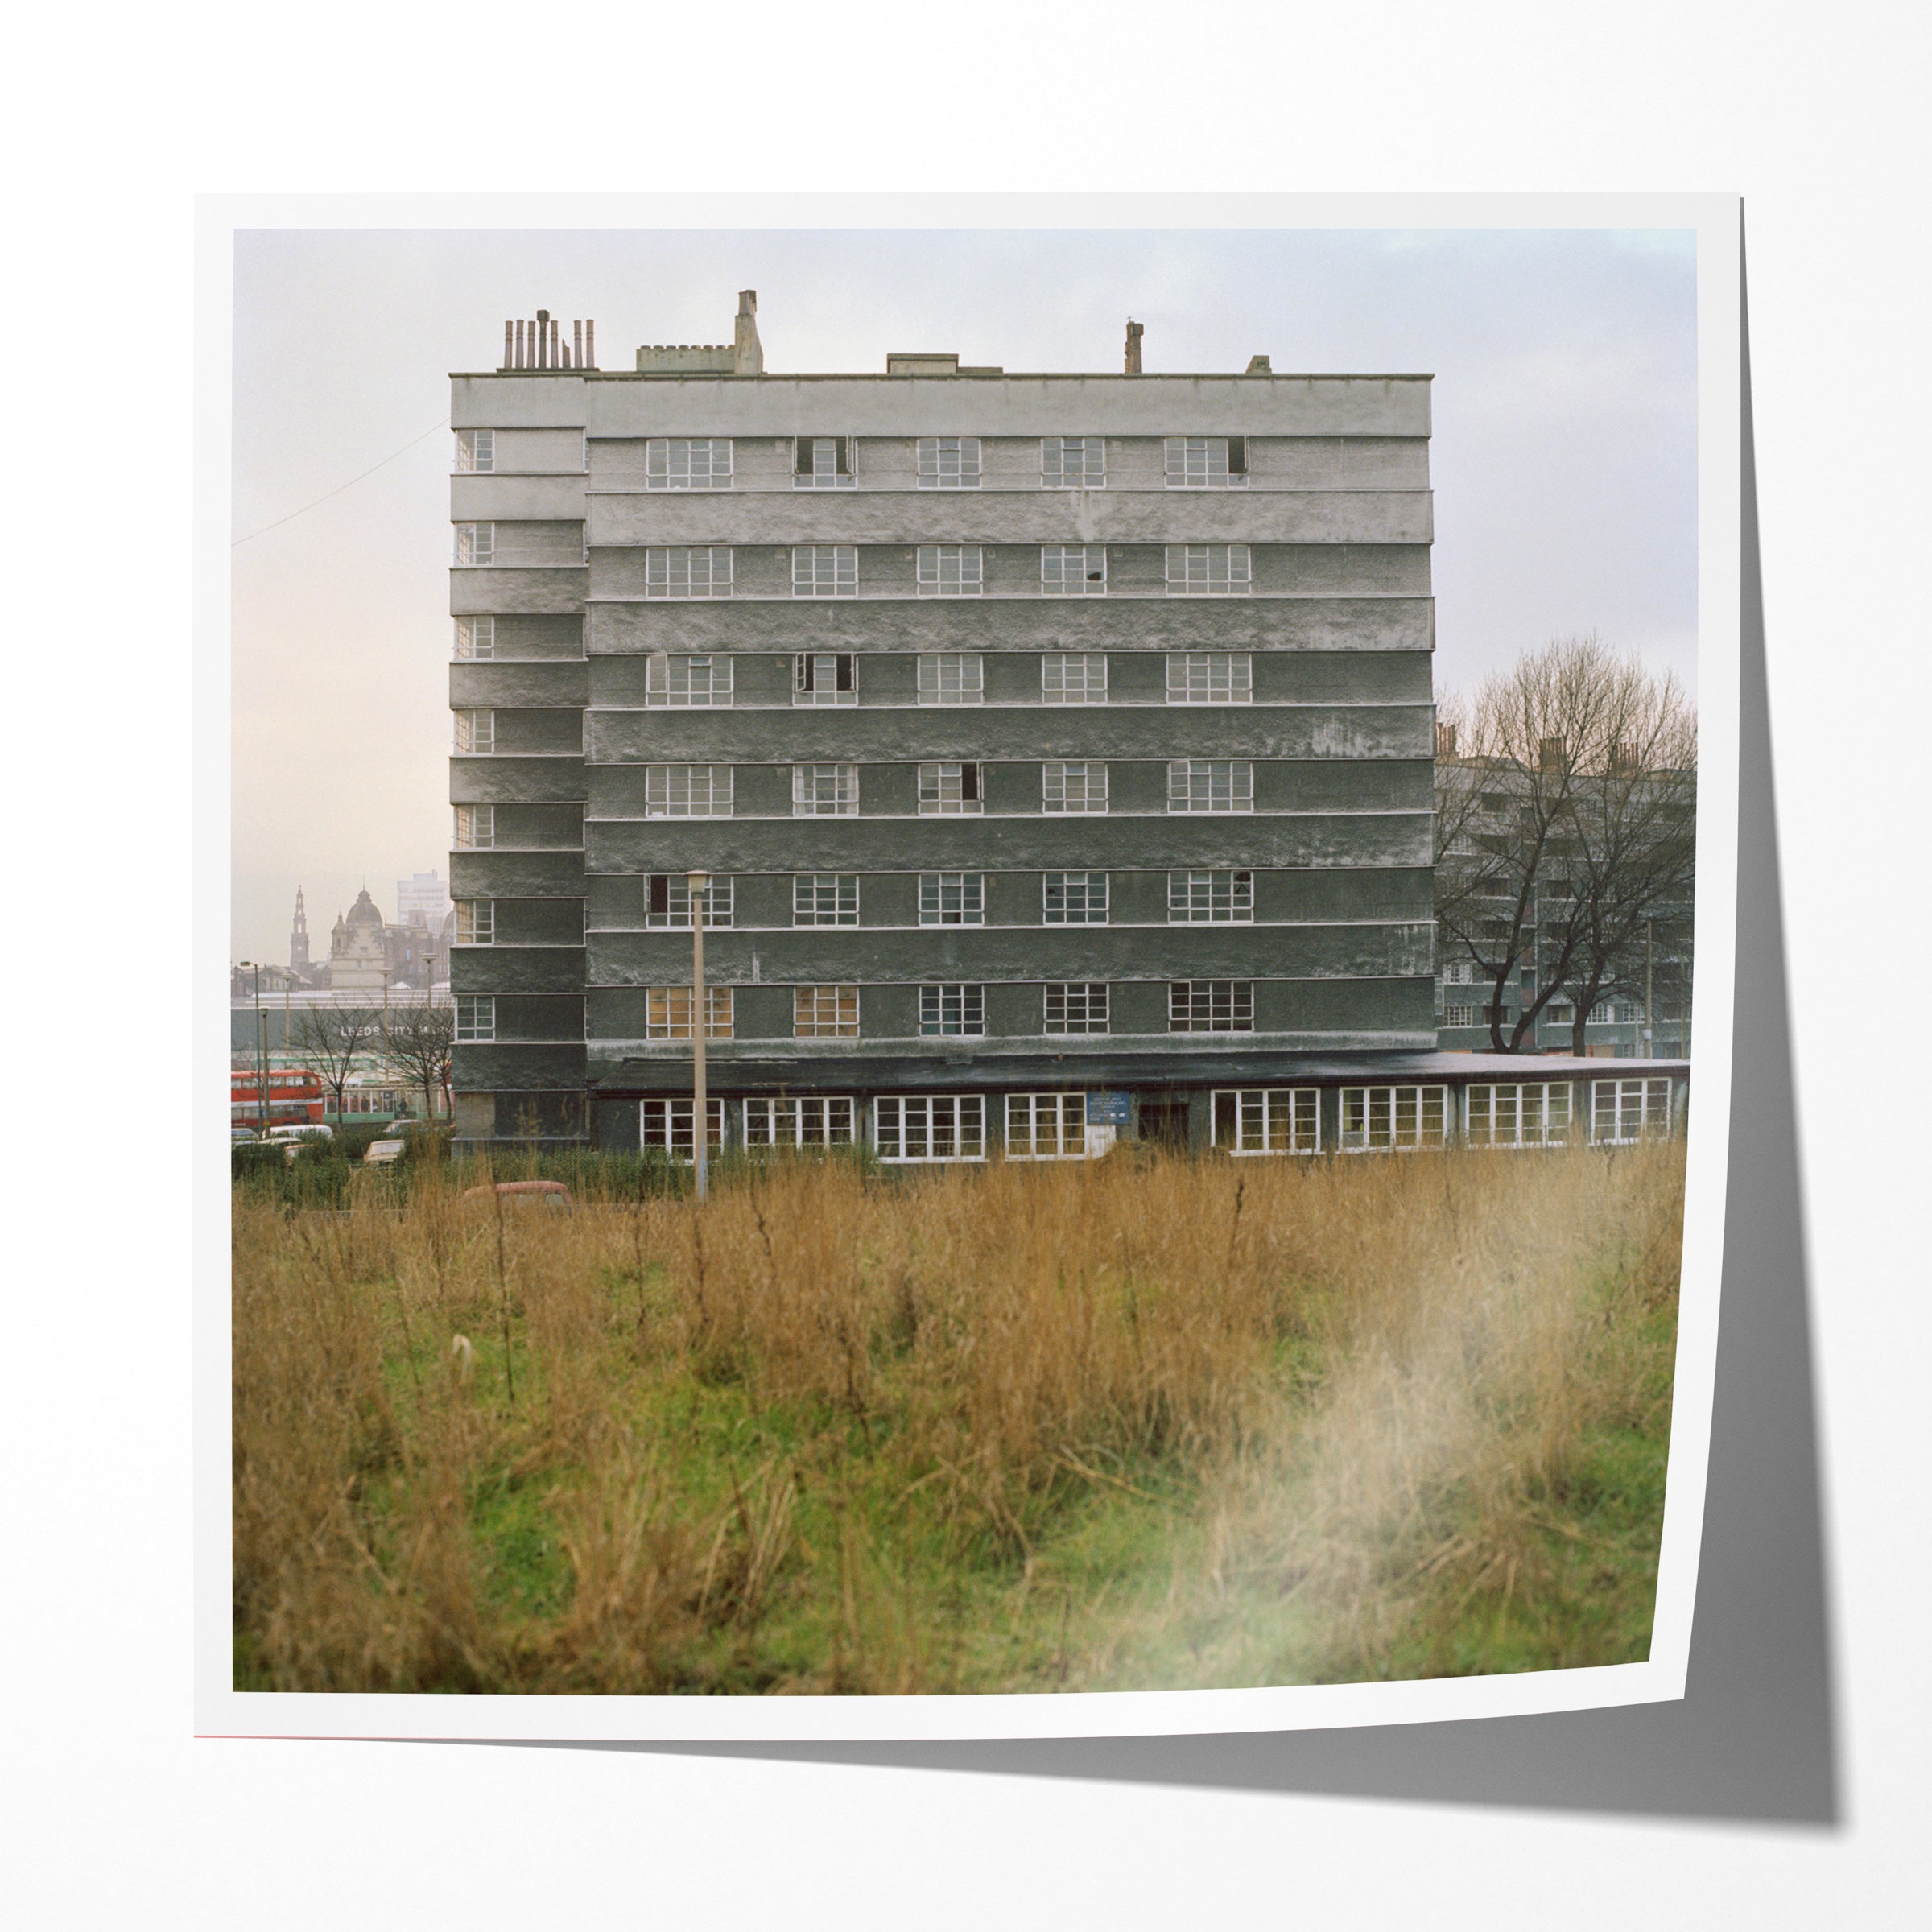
(1565, 822)
(331, 1039)
(421, 1036)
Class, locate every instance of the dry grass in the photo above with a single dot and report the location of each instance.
(1135, 1423)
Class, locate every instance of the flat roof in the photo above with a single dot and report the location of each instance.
(964, 375)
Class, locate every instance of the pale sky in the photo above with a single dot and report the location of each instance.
(1563, 459)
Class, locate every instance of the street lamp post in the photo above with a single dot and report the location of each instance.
(254, 966)
(699, 1138)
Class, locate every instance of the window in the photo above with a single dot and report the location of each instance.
(667, 901)
(668, 1013)
(930, 1127)
(476, 637)
(821, 462)
(808, 1120)
(1073, 677)
(1080, 1007)
(702, 570)
(1459, 972)
(1210, 785)
(949, 462)
(948, 787)
(476, 828)
(1045, 1126)
(1393, 1119)
(1529, 1113)
(824, 898)
(1624, 1111)
(949, 570)
(824, 791)
(1210, 677)
(1206, 462)
(1208, 570)
(476, 922)
(824, 1013)
(824, 677)
(698, 683)
(1075, 898)
(476, 450)
(1210, 898)
(687, 791)
(952, 677)
(1461, 1016)
(1211, 1006)
(946, 1010)
(1559, 1013)
(666, 1123)
(1268, 1120)
(1073, 570)
(1073, 462)
(1080, 786)
(476, 543)
(476, 732)
(476, 1016)
(824, 570)
(953, 898)
(687, 463)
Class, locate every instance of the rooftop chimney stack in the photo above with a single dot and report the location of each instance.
(540, 344)
(747, 354)
(1135, 331)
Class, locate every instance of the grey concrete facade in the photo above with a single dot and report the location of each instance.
(1318, 628)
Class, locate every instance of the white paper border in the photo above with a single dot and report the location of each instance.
(220, 1711)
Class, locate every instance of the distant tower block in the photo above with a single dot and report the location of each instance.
(298, 937)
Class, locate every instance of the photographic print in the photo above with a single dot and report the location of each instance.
(964, 955)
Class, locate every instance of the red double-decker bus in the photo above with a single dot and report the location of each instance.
(295, 1093)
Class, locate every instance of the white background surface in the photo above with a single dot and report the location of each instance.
(116, 1817)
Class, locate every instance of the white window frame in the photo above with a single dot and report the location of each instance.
(1056, 580)
(1517, 1114)
(475, 545)
(1195, 785)
(476, 1018)
(687, 791)
(1268, 1120)
(827, 790)
(802, 1120)
(667, 1124)
(955, 1122)
(954, 1011)
(1648, 1097)
(1092, 891)
(687, 571)
(949, 463)
(825, 1013)
(1057, 686)
(1204, 463)
(1088, 473)
(674, 916)
(478, 823)
(951, 677)
(1074, 786)
(476, 922)
(475, 640)
(825, 898)
(1045, 1126)
(1460, 1015)
(476, 451)
(1210, 570)
(1198, 889)
(944, 786)
(824, 570)
(966, 891)
(835, 459)
(815, 676)
(950, 570)
(672, 680)
(1210, 677)
(474, 734)
(1393, 1119)
(687, 463)
(667, 1011)
(1070, 1009)
(1211, 1006)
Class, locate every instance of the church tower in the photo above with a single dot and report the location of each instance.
(298, 938)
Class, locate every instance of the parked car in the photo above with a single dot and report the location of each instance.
(379, 1154)
(240, 1136)
(545, 1194)
(302, 1130)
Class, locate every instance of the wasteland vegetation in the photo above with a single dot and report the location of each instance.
(1148, 1422)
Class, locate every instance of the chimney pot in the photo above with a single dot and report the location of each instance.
(1135, 331)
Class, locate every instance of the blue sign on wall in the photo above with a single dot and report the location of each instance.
(1109, 1109)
